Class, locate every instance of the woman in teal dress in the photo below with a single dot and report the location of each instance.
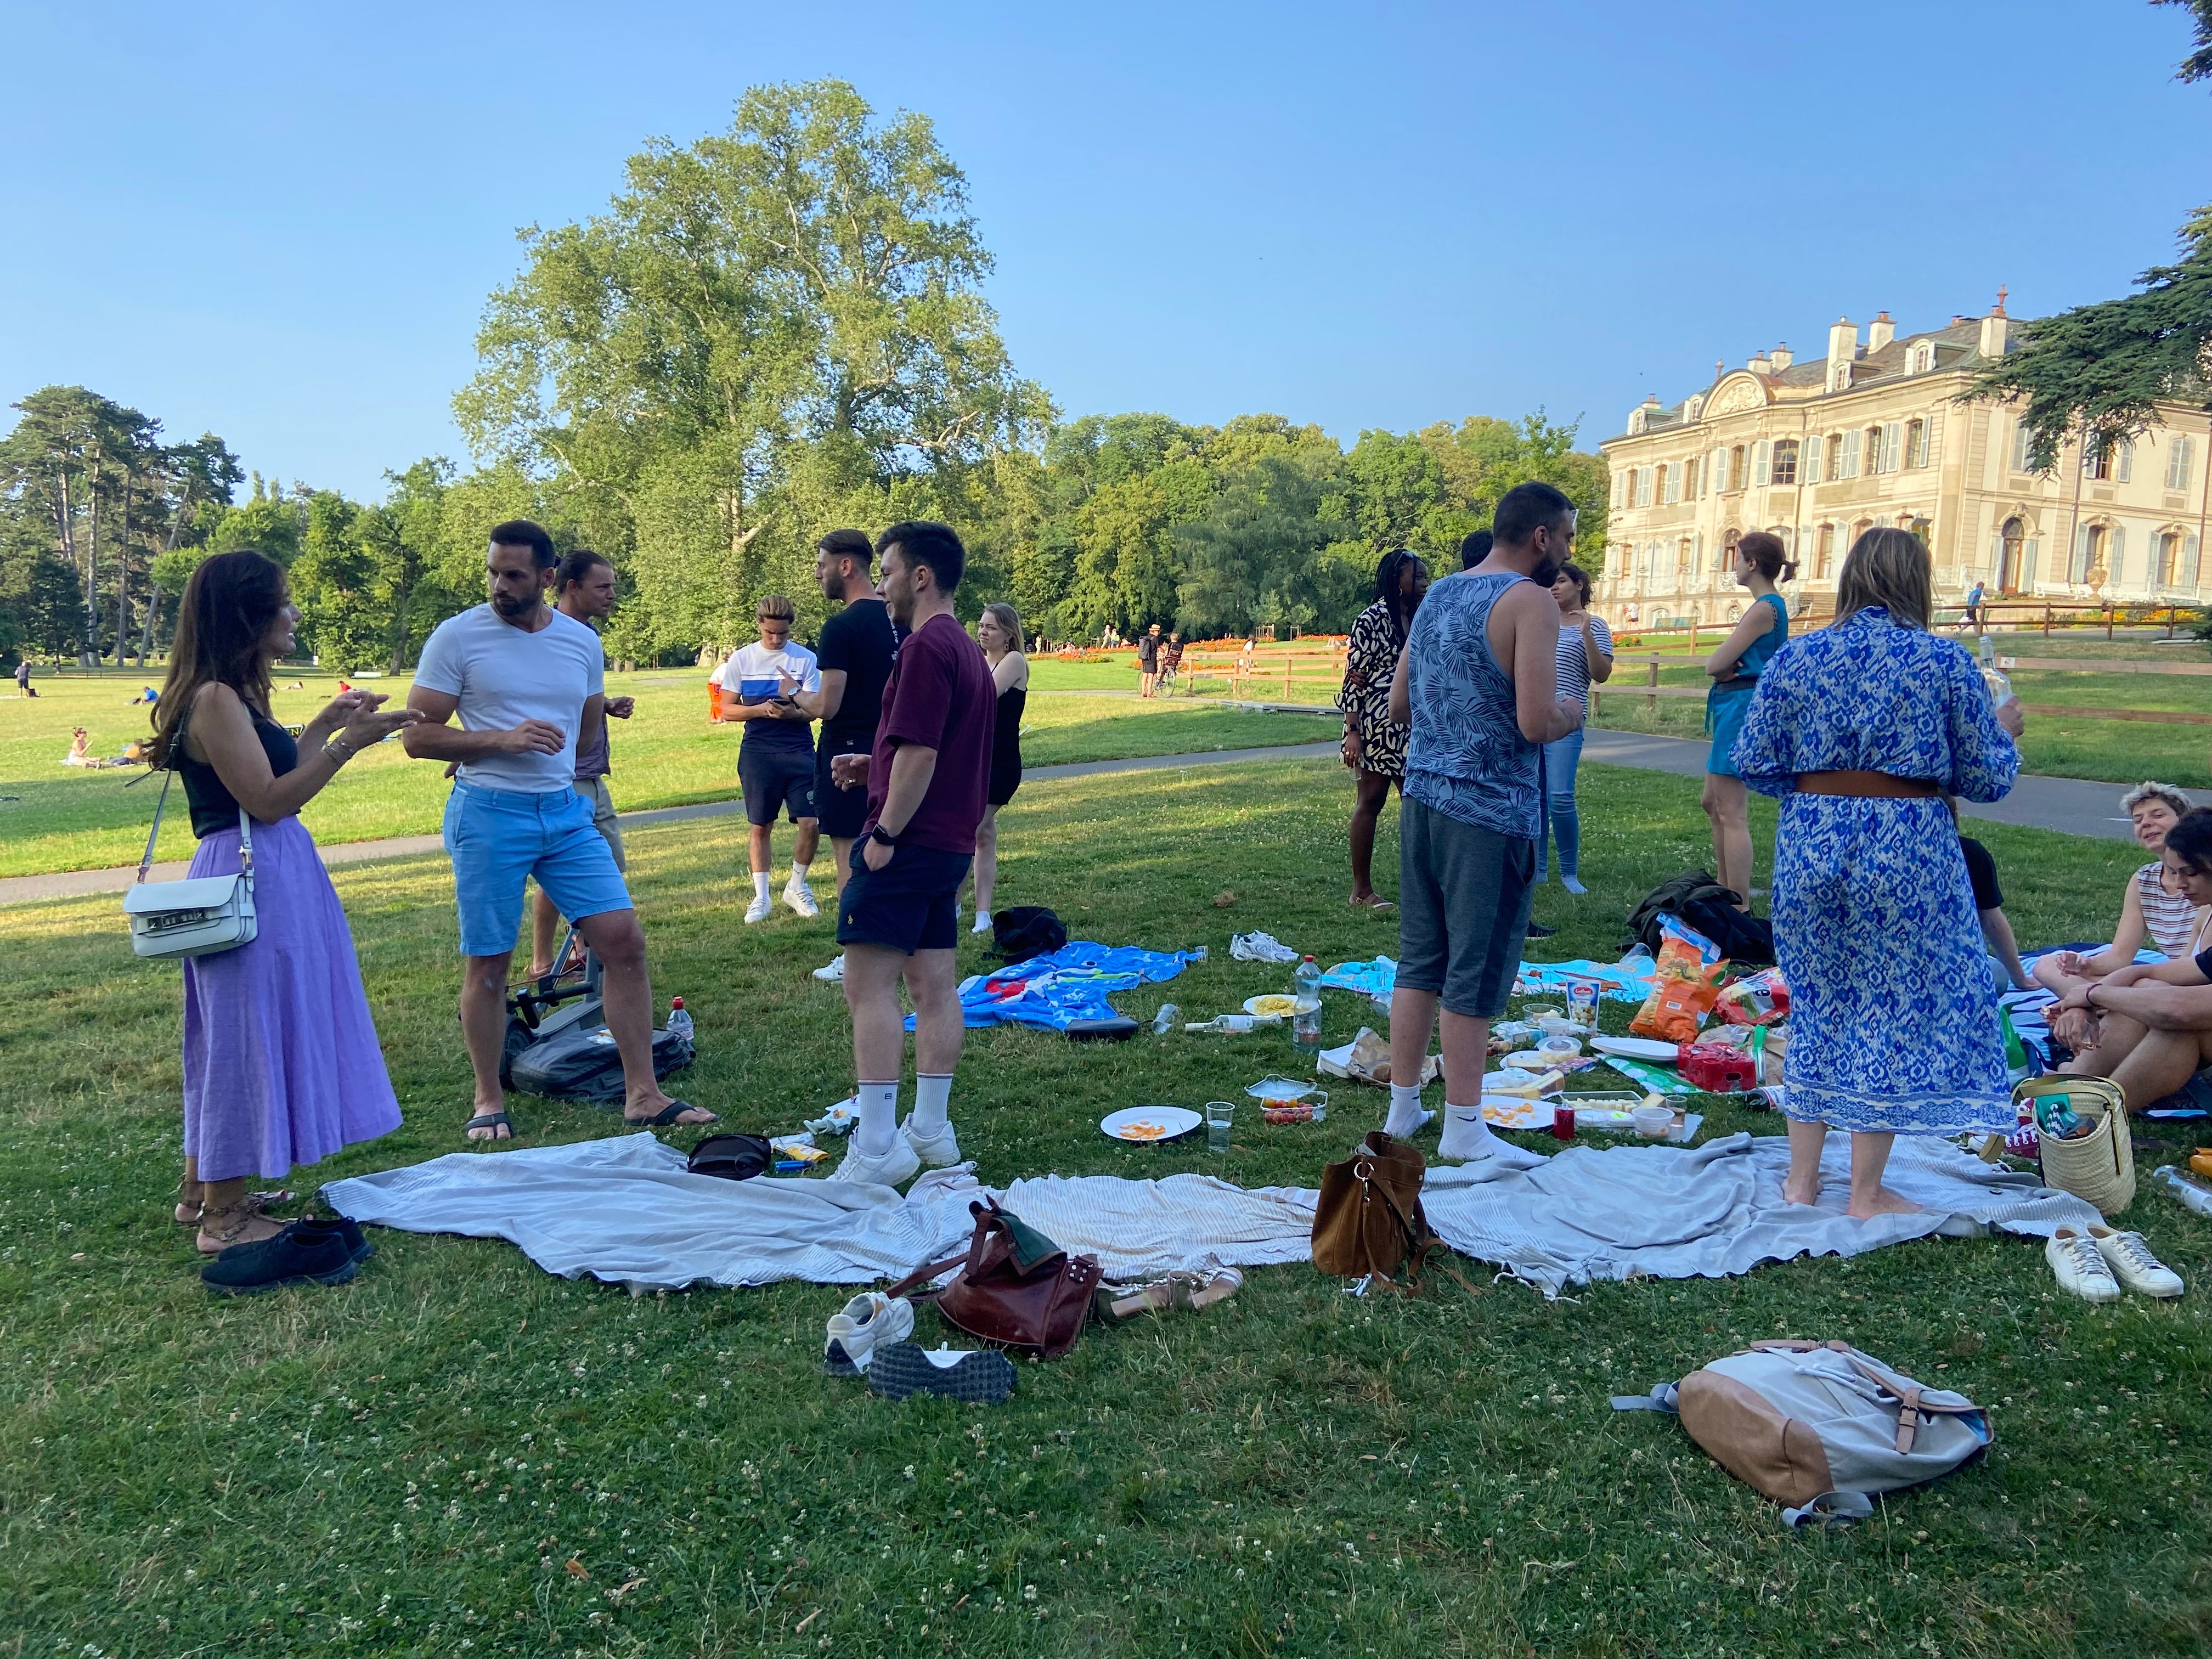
(1736, 668)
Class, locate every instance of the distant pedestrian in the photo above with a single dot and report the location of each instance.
(775, 759)
(1476, 685)
(23, 687)
(999, 631)
(1374, 744)
(1170, 664)
(1735, 668)
(281, 1063)
(1585, 654)
(1974, 607)
(1148, 660)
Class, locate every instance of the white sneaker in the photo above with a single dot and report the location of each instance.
(1468, 1139)
(2133, 1264)
(983, 923)
(833, 971)
(939, 1151)
(889, 1169)
(758, 909)
(2079, 1266)
(801, 898)
(870, 1320)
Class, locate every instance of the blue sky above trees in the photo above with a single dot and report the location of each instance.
(283, 225)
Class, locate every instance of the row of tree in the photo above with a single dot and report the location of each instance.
(774, 331)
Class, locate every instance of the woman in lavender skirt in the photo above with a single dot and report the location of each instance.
(282, 1066)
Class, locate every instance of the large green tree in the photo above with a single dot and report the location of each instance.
(770, 332)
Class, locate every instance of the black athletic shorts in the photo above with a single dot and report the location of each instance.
(842, 812)
(912, 903)
(773, 778)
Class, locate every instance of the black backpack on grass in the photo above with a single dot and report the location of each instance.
(1026, 930)
(1699, 902)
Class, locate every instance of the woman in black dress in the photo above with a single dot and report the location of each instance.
(999, 631)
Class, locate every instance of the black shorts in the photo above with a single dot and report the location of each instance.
(773, 778)
(911, 904)
(842, 812)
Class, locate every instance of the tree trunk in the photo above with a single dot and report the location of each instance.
(91, 571)
(123, 576)
(153, 588)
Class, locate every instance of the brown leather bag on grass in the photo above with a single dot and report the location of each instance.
(1017, 1289)
(1370, 1219)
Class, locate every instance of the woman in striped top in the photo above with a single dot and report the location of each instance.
(1585, 654)
(2151, 912)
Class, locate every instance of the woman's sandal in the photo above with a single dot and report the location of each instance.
(1191, 1292)
(242, 1217)
(187, 1214)
(492, 1120)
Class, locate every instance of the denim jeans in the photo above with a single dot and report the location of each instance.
(1562, 822)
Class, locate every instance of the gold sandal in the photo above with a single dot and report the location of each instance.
(1183, 1289)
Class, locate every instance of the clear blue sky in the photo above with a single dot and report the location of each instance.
(281, 222)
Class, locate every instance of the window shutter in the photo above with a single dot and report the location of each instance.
(2177, 463)
(2027, 563)
(1930, 436)
(1893, 436)
(2020, 448)
(1762, 464)
(1808, 462)
(2187, 573)
(2116, 557)
(2127, 461)
(2079, 571)
(1851, 467)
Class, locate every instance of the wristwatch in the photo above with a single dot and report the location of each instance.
(883, 835)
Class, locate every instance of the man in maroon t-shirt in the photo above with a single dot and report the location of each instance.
(898, 916)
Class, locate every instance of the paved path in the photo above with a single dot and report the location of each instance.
(2062, 804)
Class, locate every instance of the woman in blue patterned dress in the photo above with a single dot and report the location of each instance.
(1860, 730)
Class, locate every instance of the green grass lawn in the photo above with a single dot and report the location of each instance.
(406, 1465)
(666, 755)
(2116, 752)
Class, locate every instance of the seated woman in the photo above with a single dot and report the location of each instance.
(80, 749)
(2153, 910)
(2149, 1026)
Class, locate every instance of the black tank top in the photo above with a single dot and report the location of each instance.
(214, 807)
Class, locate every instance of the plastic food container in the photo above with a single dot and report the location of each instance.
(1653, 1122)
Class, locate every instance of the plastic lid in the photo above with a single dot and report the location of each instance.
(1308, 958)
(675, 1002)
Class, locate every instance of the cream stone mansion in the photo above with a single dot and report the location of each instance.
(1820, 450)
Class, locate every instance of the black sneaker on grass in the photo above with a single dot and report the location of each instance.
(305, 1252)
(1537, 930)
(985, 1377)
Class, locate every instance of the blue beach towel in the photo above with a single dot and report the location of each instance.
(1071, 984)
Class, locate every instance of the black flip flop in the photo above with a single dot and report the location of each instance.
(667, 1115)
(489, 1120)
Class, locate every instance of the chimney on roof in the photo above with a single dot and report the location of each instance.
(1997, 333)
(1842, 348)
(1781, 358)
(1957, 317)
(1880, 332)
(1761, 364)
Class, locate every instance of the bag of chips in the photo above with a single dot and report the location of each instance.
(1761, 999)
(1687, 982)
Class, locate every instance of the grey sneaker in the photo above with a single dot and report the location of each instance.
(983, 1376)
(891, 1169)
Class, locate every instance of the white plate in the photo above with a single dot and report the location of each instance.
(1173, 1120)
(1649, 1048)
(1528, 1061)
(1511, 1112)
(1258, 1004)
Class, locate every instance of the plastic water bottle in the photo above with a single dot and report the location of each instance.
(680, 1018)
(1996, 679)
(2185, 1187)
(1305, 1019)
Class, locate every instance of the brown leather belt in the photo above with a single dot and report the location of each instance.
(1882, 784)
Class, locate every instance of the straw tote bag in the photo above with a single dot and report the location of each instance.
(199, 915)
(2099, 1166)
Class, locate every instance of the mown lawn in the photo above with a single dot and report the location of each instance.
(56, 818)
(408, 1464)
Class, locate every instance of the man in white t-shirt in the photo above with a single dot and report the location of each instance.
(775, 761)
(526, 682)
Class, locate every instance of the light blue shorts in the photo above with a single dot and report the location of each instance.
(500, 838)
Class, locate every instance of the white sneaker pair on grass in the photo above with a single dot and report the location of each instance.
(2095, 1263)
(909, 1152)
(797, 895)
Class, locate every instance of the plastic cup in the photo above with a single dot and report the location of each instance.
(1218, 1116)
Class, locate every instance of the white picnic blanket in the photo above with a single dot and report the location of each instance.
(624, 1209)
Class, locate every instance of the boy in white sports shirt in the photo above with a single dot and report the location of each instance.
(775, 761)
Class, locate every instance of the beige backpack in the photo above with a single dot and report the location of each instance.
(1818, 1426)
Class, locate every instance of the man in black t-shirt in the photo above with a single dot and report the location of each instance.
(855, 656)
(1148, 660)
(1989, 905)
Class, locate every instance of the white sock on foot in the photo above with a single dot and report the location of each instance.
(1405, 1112)
(1467, 1136)
(760, 885)
(983, 923)
(799, 870)
(878, 1107)
(932, 1097)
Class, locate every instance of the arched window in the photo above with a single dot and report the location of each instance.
(1682, 555)
(1727, 549)
(1923, 358)
(1737, 472)
(1872, 441)
(2012, 546)
(1824, 558)
(2166, 568)
(1735, 613)
(1785, 461)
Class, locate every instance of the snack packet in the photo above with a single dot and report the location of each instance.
(1683, 988)
(1761, 999)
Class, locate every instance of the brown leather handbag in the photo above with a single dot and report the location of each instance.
(1017, 1289)
(1370, 1219)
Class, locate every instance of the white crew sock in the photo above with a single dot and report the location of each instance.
(878, 1128)
(1467, 1136)
(932, 1097)
(1405, 1112)
(760, 883)
(797, 871)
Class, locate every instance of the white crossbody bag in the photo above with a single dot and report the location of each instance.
(199, 915)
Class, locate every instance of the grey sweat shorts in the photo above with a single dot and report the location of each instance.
(1464, 893)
